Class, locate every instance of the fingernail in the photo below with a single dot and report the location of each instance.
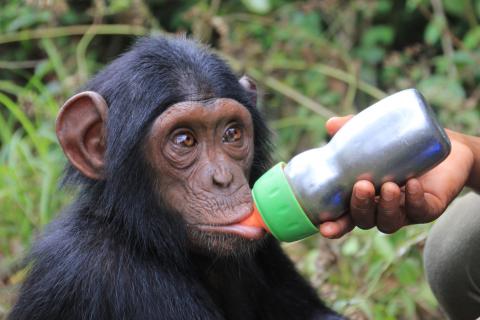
(331, 119)
(327, 230)
(387, 196)
(361, 194)
(413, 188)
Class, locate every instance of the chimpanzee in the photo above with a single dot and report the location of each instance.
(164, 145)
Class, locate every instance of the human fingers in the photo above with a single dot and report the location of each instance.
(390, 218)
(362, 204)
(420, 207)
(334, 124)
(336, 229)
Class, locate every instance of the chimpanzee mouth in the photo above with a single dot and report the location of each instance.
(228, 221)
(248, 232)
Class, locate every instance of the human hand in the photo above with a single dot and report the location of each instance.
(421, 200)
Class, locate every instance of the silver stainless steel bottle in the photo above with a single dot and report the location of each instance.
(392, 140)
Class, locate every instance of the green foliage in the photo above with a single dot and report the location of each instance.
(434, 30)
(457, 7)
(442, 90)
(311, 59)
(258, 6)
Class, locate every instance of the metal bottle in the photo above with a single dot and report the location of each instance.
(393, 140)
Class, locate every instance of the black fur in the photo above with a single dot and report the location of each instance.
(115, 253)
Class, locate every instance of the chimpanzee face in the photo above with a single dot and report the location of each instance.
(201, 153)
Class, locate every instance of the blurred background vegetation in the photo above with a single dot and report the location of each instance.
(311, 60)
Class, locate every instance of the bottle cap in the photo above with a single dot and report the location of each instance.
(280, 210)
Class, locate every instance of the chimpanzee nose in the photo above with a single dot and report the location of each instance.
(222, 177)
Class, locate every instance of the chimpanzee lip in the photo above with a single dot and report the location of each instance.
(234, 227)
(249, 232)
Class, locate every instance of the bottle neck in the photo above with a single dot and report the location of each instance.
(315, 177)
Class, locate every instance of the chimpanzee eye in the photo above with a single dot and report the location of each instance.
(232, 134)
(185, 139)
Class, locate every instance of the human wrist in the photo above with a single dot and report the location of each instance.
(474, 177)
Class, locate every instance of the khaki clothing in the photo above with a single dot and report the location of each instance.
(452, 258)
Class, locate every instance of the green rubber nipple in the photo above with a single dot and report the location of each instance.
(279, 208)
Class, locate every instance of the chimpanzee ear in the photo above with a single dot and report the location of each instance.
(81, 132)
(249, 85)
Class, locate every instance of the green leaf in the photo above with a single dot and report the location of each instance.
(258, 6)
(414, 4)
(457, 7)
(309, 23)
(472, 38)
(371, 55)
(442, 64)
(384, 6)
(434, 30)
(28, 19)
(351, 246)
(378, 35)
(464, 59)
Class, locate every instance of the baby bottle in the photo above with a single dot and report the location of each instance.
(395, 139)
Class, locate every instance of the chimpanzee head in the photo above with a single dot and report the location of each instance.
(166, 142)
